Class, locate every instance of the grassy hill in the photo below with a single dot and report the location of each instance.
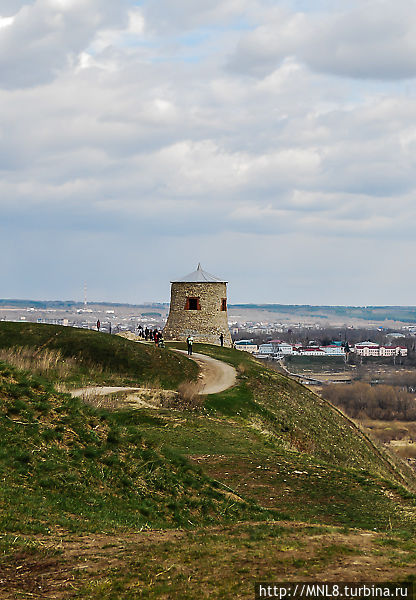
(264, 481)
(81, 357)
(64, 465)
(293, 450)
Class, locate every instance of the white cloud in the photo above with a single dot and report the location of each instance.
(372, 39)
(6, 22)
(136, 22)
(46, 36)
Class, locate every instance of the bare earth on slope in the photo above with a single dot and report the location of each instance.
(160, 563)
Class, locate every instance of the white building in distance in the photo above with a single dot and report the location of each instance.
(246, 346)
(372, 349)
(276, 347)
(333, 350)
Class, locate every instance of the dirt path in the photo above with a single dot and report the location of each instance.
(215, 376)
(102, 391)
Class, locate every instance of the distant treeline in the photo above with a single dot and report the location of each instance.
(379, 402)
(39, 303)
(13, 303)
(406, 314)
(369, 313)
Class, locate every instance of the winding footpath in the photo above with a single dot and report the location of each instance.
(215, 377)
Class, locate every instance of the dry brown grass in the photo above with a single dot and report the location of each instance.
(398, 436)
(241, 369)
(387, 431)
(111, 402)
(140, 398)
(406, 451)
(153, 384)
(189, 395)
(39, 361)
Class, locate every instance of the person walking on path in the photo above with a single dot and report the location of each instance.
(189, 342)
(222, 340)
(156, 337)
(98, 325)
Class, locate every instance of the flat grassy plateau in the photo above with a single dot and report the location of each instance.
(265, 481)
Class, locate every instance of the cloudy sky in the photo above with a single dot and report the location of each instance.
(274, 141)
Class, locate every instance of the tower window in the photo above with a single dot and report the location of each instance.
(224, 304)
(192, 304)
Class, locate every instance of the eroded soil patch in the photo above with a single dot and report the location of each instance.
(217, 562)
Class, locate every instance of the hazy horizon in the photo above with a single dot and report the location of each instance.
(230, 304)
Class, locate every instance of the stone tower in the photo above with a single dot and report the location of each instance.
(198, 307)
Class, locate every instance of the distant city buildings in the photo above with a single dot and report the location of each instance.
(260, 337)
(277, 349)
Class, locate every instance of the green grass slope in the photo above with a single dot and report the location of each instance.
(292, 451)
(220, 474)
(80, 356)
(295, 419)
(65, 465)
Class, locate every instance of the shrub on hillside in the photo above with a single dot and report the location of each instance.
(189, 396)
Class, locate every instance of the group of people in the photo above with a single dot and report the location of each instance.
(151, 334)
(157, 337)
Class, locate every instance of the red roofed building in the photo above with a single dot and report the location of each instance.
(372, 349)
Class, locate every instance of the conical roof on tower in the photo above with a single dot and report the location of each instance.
(199, 276)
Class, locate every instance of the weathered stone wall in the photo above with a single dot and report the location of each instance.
(206, 324)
